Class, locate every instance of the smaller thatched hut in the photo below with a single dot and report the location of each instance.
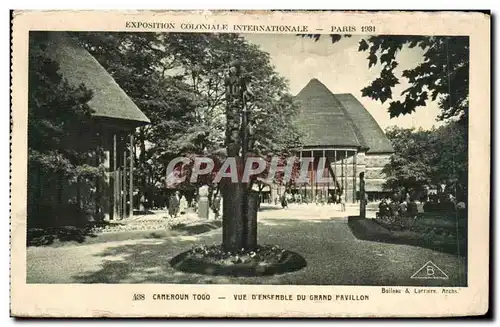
(115, 118)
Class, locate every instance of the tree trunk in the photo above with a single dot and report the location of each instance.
(233, 214)
(251, 223)
(233, 228)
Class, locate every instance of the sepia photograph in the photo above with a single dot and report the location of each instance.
(238, 164)
(377, 124)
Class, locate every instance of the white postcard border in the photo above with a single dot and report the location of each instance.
(100, 300)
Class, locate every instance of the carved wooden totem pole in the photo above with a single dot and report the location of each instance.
(239, 210)
(362, 195)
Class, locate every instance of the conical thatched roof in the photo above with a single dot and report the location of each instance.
(78, 66)
(366, 126)
(329, 119)
(323, 119)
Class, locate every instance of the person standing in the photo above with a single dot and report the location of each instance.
(183, 204)
(412, 209)
(173, 205)
(284, 201)
(299, 198)
(194, 205)
(342, 201)
(383, 209)
(403, 208)
(393, 208)
(216, 206)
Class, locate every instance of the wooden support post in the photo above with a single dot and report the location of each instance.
(335, 175)
(328, 166)
(324, 196)
(345, 174)
(97, 196)
(301, 186)
(354, 163)
(342, 175)
(314, 184)
(114, 211)
(123, 190)
(119, 199)
(362, 203)
(131, 177)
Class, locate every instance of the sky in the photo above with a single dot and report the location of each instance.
(342, 69)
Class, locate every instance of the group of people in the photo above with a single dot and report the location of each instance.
(287, 198)
(177, 204)
(397, 207)
(444, 201)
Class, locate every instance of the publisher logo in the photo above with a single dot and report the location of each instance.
(429, 271)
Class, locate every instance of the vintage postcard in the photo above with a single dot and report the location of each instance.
(250, 164)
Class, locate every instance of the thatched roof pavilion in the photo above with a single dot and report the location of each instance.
(338, 127)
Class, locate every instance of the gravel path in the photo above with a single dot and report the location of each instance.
(334, 256)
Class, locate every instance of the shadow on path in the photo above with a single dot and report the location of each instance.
(198, 228)
(144, 261)
(50, 235)
(265, 208)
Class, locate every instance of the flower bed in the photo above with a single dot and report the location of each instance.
(395, 222)
(417, 225)
(167, 223)
(213, 260)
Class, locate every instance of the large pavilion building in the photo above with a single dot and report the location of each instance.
(340, 129)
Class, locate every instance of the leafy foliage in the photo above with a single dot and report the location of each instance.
(63, 143)
(452, 160)
(428, 158)
(411, 164)
(59, 137)
(206, 59)
(147, 70)
(442, 76)
(177, 79)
